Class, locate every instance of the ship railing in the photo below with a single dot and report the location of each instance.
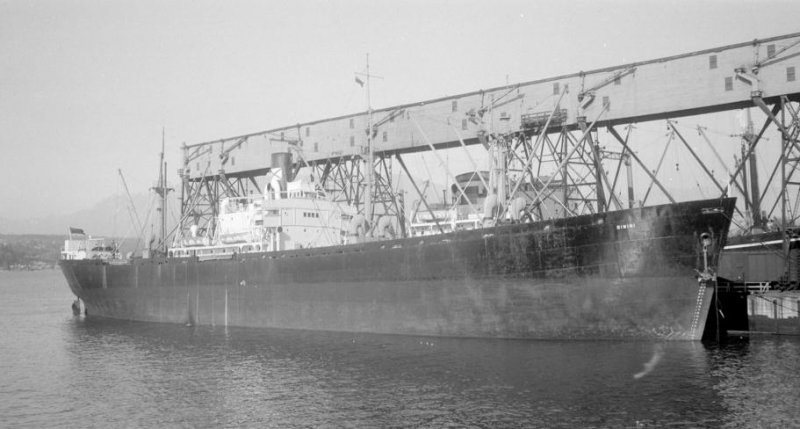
(215, 256)
(758, 287)
(221, 251)
(239, 204)
(68, 255)
(431, 228)
(194, 241)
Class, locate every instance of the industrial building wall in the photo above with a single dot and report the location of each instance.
(698, 82)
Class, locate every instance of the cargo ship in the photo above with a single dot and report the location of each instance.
(292, 258)
(251, 252)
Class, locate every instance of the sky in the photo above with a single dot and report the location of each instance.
(87, 86)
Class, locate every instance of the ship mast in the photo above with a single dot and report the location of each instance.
(370, 154)
(162, 190)
(370, 179)
(755, 196)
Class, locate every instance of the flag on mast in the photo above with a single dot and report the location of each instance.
(75, 231)
(359, 82)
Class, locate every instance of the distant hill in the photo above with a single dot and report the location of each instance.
(29, 251)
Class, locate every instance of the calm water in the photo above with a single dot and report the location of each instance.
(57, 370)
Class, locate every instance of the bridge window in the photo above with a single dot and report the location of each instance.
(455, 105)
(385, 137)
(770, 51)
(464, 124)
(606, 102)
(308, 131)
(556, 89)
(233, 160)
(316, 147)
(352, 123)
(728, 83)
(712, 62)
(790, 74)
(352, 141)
(617, 80)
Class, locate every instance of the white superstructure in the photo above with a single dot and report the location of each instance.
(301, 216)
(87, 247)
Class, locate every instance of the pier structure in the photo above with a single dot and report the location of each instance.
(545, 131)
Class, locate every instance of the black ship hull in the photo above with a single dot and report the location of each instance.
(624, 274)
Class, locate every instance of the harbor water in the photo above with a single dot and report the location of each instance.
(58, 370)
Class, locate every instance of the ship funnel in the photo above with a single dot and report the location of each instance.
(283, 161)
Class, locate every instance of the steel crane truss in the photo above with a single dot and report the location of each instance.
(554, 169)
(546, 133)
